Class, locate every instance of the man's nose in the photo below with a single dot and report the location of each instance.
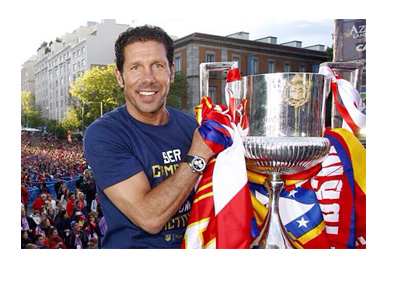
(148, 76)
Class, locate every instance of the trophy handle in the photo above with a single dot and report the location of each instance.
(205, 68)
(352, 72)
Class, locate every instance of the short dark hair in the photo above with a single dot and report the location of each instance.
(143, 34)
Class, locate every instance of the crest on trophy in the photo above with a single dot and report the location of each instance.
(297, 91)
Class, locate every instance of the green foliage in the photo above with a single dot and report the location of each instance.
(329, 50)
(177, 92)
(72, 120)
(29, 116)
(94, 86)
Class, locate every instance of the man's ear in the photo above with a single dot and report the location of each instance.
(120, 79)
(172, 76)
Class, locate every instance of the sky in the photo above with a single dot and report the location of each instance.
(309, 32)
(42, 20)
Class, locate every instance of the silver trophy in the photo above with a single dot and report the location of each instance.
(286, 113)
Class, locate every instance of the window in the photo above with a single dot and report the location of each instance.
(286, 67)
(271, 66)
(83, 63)
(252, 65)
(302, 68)
(315, 68)
(236, 58)
(210, 57)
(178, 64)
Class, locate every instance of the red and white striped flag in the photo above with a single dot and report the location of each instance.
(222, 212)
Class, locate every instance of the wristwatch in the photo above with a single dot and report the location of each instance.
(196, 163)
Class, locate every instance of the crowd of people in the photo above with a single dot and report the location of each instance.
(73, 218)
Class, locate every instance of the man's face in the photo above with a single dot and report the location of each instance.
(41, 240)
(145, 78)
(77, 227)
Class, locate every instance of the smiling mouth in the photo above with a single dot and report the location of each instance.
(147, 93)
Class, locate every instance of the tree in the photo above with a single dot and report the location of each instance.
(29, 116)
(329, 51)
(72, 120)
(178, 92)
(95, 86)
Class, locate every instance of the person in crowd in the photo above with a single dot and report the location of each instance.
(127, 145)
(30, 246)
(76, 239)
(59, 207)
(27, 223)
(81, 197)
(91, 226)
(93, 243)
(49, 199)
(45, 225)
(53, 240)
(89, 188)
(25, 239)
(36, 216)
(62, 223)
(79, 211)
(64, 195)
(51, 215)
(71, 204)
(57, 187)
(94, 204)
(102, 224)
(39, 242)
(39, 202)
(24, 196)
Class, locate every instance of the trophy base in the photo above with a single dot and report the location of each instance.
(275, 236)
(284, 155)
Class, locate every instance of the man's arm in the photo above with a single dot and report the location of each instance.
(150, 208)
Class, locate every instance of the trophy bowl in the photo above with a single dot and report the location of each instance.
(284, 155)
(286, 113)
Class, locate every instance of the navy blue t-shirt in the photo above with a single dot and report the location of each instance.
(117, 146)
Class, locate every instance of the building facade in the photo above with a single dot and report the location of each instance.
(65, 59)
(254, 57)
(28, 75)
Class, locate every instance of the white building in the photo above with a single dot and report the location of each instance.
(65, 59)
(28, 75)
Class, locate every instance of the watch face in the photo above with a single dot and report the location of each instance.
(198, 164)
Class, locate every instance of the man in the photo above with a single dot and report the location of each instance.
(38, 203)
(71, 204)
(138, 152)
(57, 187)
(27, 223)
(39, 242)
(76, 238)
